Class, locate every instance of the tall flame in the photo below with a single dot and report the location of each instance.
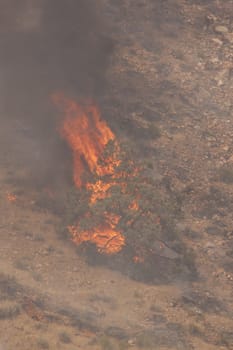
(87, 135)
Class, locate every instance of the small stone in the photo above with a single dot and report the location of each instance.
(230, 160)
(214, 60)
(221, 29)
(209, 245)
(229, 37)
(217, 41)
(131, 342)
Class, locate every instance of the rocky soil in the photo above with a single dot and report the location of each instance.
(172, 69)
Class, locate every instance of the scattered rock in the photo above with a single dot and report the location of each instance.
(131, 342)
(209, 245)
(217, 41)
(229, 37)
(221, 29)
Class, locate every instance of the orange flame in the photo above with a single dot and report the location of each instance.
(87, 135)
(98, 190)
(134, 205)
(11, 197)
(106, 238)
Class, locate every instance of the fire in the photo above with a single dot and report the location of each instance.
(138, 259)
(106, 238)
(11, 197)
(134, 205)
(88, 135)
(98, 190)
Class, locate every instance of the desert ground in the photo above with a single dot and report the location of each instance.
(172, 67)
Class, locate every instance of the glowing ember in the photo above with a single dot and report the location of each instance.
(87, 135)
(134, 205)
(106, 238)
(138, 259)
(11, 197)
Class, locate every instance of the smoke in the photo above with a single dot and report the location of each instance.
(48, 46)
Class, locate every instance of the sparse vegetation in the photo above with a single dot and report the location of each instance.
(43, 343)
(9, 287)
(38, 237)
(123, 345)
(112, 303)
(189, 259)
(155, 308)
(157, 318)
(64, 337)
(9, 312)
(22, 264)
(226, 175)
(195, 330)
(106, 343)
(226, 338)
(146, 340)
(80, 319)
(154, 132)
(138, 294)
(36, 276)
(50, 249)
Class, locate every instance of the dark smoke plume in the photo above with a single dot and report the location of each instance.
(48, 46)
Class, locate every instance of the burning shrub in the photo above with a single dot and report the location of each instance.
(116, 204)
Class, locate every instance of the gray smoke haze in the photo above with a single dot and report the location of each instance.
(52, 45)
(48, 46)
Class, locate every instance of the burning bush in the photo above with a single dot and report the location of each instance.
(116, 204)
